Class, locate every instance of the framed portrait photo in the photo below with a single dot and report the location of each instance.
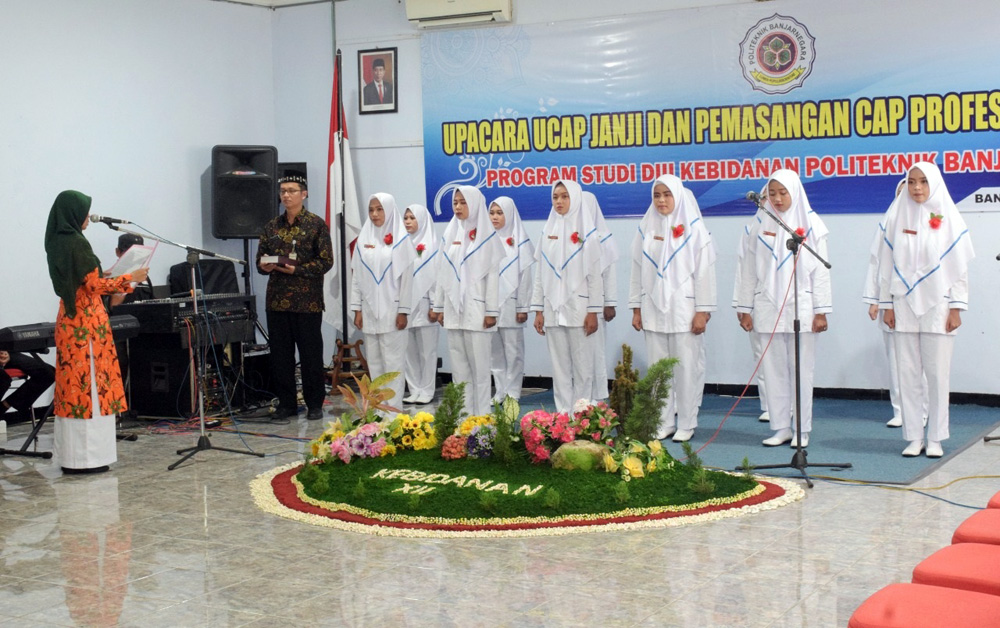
(377, 81)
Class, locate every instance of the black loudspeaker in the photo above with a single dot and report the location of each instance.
(160, 371)
(244, 190)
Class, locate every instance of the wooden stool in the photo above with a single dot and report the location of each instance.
(348, 355)
(967, 566)
(924, 606)
(981, 527)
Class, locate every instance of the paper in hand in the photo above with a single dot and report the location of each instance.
(136, 257)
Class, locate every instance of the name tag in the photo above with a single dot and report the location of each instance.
(660, 238)
(369, 246)
(457, 243)
(909, 232)
(553, 237)
(769, 233)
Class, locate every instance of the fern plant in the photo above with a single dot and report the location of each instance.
(504, 416)
(623, 388)
(650, 396)
(450, 411)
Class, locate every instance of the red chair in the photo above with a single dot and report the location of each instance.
(968, 566)
(981, 527)
(924, 606)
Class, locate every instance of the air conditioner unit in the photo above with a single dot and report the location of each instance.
(434, 13)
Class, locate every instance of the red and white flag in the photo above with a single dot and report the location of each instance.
(341, 196)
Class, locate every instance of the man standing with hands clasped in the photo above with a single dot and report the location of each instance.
(295, 252)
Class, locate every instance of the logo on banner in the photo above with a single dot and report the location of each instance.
(777, 54)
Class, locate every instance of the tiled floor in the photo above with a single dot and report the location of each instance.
(143, 546)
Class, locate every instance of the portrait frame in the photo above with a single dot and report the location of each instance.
(369, 99)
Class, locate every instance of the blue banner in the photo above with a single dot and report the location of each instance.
(721, 97)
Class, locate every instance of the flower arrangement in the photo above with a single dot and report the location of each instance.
(935, 221)
(388, 239)
(678, 231)
(543, 431)
(479, 443)
(597, 422)
(454, 447)
(633, 460)
(470, 423)
(421, 248)
(575, 237)
(365, 441)
(417, 432)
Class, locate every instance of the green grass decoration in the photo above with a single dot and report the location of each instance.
(558, 492)
(505, 416)
(450, 412)
(622, 495)
(488, 502)
(747, 469)
(651, 393)
(623, 388)
(359, 490)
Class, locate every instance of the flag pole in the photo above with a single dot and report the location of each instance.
(341, 221)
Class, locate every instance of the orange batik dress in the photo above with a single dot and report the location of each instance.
(77, 338)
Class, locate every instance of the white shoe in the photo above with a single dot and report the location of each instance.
(780, 438)
(423, 401)
(805, 441)
(896, 421)
(765, 417)
(666, 432)
(682, 436)
(410, 399)
(914, 448)
(934, 449)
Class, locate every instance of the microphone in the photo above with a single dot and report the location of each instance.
(109, 221)
(751, 196)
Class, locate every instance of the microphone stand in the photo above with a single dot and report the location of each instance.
(198, 365)
(799, 461)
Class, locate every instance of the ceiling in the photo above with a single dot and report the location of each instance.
(275, 4)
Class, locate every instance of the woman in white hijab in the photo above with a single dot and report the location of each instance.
(765, 282)
(755, 345)
(515, 294)
(381, 286)
(672, 293)
(870, 296)
(609, 281)
(923, 287)
(568, 293)
(422, 345)
(467, 296)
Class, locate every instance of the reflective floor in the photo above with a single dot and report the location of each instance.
(143, 546)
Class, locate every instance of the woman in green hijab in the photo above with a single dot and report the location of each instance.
(89, 389)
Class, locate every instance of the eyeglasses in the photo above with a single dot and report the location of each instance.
(286, 192)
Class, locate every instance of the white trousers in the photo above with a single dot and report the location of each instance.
(757, 345)
(470, 363)
(688, 383)
(421, 360)
(919, 355)
(387, 353)
(86, 443)
(572, 356)
(600, 361)
(890, 353)
(779, 371)
(508, 362)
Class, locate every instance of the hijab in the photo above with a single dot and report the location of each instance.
(67, 250)
(470, 248)
(520, 252)
(774, 262)
(920, 261)
(426, 260)
(384, 249)
(569, 250)
(609, 250)
(669, 247)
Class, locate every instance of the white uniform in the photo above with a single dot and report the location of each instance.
(515, 294)
(766, 277)
(568, 287)
(466, 294)
(609, 281)
(422, 344)
(672, 278)
(923, 274)
(381, 288)
(755, 346)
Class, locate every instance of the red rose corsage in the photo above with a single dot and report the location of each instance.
(510, 241)
(678, 231)
(801, 232)
(472, 235)
(420, 248)
(935, 221)
(387, 239)
(575, 237)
